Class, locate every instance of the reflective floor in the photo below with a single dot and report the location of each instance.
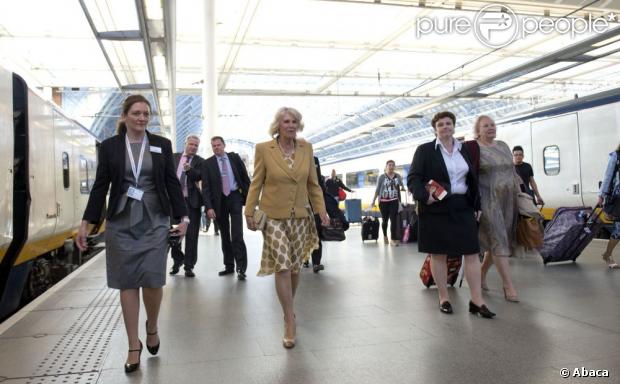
(365, 319)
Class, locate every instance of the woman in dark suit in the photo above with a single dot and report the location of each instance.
(448, 225)
(144, 190)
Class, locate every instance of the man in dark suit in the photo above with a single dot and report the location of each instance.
(225, 184)
(187, 165)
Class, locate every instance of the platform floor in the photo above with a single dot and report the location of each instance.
(365, 319)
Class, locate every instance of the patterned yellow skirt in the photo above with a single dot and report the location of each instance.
(287, 243)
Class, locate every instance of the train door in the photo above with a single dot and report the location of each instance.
(6, 161)
(555, 147)
(43, 209)
(599, 130)
(63, 168)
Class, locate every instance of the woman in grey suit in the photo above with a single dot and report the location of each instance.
(138, 168)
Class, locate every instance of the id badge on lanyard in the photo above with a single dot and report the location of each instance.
(135, 192)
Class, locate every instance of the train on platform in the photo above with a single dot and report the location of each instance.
(48, 167)
(567, 144)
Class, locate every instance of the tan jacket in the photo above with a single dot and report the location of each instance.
(282, 189)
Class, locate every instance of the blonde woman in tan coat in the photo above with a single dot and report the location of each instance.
(286, 181)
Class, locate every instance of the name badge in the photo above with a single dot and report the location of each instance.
(155, 149)
(135, 193)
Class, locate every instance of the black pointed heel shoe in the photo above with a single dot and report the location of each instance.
(131, 367)
(153, 349)
(482, 310)
(445, 307)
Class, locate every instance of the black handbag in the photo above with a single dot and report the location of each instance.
(611, 205)
(334, 231)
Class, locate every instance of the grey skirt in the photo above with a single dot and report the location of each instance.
(136, 255)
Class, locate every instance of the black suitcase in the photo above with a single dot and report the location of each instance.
(370, 228)
(408, 218)
(568, 233)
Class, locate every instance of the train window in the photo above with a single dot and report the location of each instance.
(91, 174)
(65, 170)
(370, 178)
(551, 160)
(402, 170)
(351, 180)
(84, 188)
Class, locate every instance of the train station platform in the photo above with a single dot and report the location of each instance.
(365, 319)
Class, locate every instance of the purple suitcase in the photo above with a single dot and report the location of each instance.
(568, 233)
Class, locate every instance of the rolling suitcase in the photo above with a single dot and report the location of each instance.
(370, 229)
(353, 210)
(454, 266)
(568, 233)
(408, 223)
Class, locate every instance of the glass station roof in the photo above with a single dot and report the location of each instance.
(334, 60)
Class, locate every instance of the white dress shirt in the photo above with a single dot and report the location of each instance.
(456, 165)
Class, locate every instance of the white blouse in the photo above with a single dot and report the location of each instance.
(456, 165)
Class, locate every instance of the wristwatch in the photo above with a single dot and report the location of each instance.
(185, 219)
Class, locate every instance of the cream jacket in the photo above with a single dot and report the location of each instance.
(282, 190)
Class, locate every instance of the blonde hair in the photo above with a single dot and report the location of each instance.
(275, 124)
(477, 125)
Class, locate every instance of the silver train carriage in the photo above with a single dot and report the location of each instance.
(48, 167)
(567, 145)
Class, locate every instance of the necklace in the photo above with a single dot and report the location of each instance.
(286, 153)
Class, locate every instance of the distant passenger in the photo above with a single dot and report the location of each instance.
(225, 184)
(333, 211)
(526, 173)
(610, 187)
(388, 192)
(447, 225)
(144, 190)
(187, 165)
(333, 184)
(499, 187)
(206, 223)
(285, 181)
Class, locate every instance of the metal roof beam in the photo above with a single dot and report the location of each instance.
(90, 21)
(146, 42)
(120, 35)
(170, 33)
(371, 51)
(565, 54)
(249, 12)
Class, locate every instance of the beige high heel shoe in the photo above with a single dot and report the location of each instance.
(611, 264)
(511, 298)
(286, 342)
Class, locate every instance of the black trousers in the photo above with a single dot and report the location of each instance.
(230, 220)
(191, 241)
(389, 210)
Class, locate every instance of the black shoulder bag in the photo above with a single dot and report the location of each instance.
(611, 206)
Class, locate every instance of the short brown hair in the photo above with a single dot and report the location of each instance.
(129, 101)
(441, 115)
(220, 138)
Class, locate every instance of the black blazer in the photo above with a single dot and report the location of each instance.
(194, 194)
(428, 164)
(111, 170)
(212, 180)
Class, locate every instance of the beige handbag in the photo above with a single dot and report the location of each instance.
(260, 219)
(527, 207)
